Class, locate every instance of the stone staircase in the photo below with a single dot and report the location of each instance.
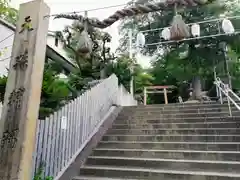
(168, 142)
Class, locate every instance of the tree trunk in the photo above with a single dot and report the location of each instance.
(197, 88)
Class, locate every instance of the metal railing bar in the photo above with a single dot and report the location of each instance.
(226, 90)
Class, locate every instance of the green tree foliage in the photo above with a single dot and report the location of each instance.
(101, 62)
(122, 68)
(7, 12)
(39, 175)
(142, 78)
(55, 92)
(93, 65)
(185, 60)
(3, 82)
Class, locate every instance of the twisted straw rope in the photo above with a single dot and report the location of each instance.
(132, 11)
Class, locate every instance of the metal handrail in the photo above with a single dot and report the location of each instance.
(224, 89)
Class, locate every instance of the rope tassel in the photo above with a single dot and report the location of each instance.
(84, 44)
(179, 30)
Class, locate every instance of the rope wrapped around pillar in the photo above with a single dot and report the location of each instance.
(135, 10)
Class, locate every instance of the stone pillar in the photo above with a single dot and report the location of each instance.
(22, 97)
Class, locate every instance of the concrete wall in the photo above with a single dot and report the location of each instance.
(6, 47)
(59, 48)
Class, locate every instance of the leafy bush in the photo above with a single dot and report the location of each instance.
(40, 174)
(55, 92)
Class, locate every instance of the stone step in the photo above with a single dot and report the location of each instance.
(167, 111)
(208, 146)
(177, 104)
(175, 131)
(183, 106)
(176, 120)
(217, 124)
(176, 110)
(155, 112)
(169, 154)
(156, 174)
(98, 178)
(183, 115)
(170, 137)
(176, 164)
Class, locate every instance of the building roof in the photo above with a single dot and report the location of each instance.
(51, 52)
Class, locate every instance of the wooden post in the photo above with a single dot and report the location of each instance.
(22, 97)
(165, 95)
(145, 96)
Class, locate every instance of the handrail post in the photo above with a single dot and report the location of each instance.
(220, 95)
(229, 106)
(226, 90)
(130, 36)
(218, 91)
(215, 79)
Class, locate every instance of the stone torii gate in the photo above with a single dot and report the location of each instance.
(157, 89)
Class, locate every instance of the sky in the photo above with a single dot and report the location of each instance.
(63, 6)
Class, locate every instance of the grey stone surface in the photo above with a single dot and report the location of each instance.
(168, 142)
(169, 154)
